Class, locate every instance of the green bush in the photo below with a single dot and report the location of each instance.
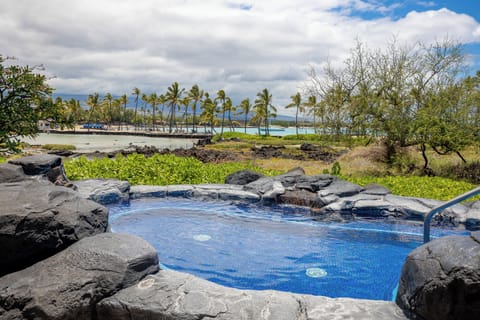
(155, 170)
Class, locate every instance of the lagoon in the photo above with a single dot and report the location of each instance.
(86, 143)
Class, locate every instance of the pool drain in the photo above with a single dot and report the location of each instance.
(201, 237)
(316, 272)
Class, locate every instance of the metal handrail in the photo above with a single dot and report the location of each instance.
(440, 208)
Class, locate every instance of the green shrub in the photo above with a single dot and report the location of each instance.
(155, 170)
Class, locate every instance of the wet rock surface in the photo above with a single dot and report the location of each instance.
(174, 295)
(441, 279)
(69, 284)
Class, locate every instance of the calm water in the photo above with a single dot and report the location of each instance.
(249, 247)
(107, 143)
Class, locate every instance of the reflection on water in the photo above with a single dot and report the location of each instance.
(107, 143)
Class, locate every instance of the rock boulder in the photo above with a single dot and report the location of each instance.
(38, 219)
(242, 177)
(69, 284)
(441, 279)
(104, 191)
(47, 165)
(11, 173)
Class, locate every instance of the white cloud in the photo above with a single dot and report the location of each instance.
(241, 46)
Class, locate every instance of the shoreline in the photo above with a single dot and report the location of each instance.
(178, 135)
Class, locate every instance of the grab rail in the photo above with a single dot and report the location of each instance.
(428, 218)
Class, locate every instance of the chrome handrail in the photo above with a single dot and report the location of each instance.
(428, 218)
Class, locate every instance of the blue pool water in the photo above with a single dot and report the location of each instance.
(280, 248)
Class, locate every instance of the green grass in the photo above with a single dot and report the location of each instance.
(2, 159)
(58, 147)
(417, 186)
(155, 170)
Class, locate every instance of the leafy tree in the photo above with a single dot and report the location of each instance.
(313, 109)
(22, 91)
(407, 95)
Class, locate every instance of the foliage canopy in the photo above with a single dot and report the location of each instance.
(23, 101)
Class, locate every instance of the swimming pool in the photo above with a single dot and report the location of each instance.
(280, 248)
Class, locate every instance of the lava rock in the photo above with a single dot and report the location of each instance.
(174, 295)
(39, 219)
(11, 173)
(69, 284)
(104, 191)
(243, 177)
(441, 279)
(38, 164)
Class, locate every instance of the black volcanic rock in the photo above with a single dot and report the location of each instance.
(69, 284)
(38, 219)
(243, 177)
(441, 279)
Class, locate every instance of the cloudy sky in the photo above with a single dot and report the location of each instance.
(241, 46)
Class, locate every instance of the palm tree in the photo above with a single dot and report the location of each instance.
(109, 99)
(123, 102)
(185, 102)
(195, 94)
(222, 97)
(245, 106)
(208, 112)
(173, 96)
(145, 102)
(144, 108)
(161, 100)
(75, 110)
(92, 102)
(229, 108)
(264, 108)
(297, 103)
(136, 93)
(153, 100)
